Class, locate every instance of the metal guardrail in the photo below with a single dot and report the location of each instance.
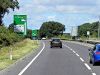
(89, 41)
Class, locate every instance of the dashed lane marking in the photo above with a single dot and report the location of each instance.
(77, 54)
(87, 66)
(93, 73)
(82, 59)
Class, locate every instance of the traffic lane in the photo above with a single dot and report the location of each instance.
(84, 53)
(57, 61)
(80, 49)
(20, 64)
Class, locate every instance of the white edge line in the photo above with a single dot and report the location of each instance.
(87, 66)
(32, 61)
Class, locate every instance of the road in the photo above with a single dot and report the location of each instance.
(72, 59)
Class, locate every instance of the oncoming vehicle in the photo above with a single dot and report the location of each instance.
(55, 42)
(95, 54)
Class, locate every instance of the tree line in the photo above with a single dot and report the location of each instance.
(92, 27)
(7, 36)
(51, 29)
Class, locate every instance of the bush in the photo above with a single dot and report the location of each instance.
(7, 37)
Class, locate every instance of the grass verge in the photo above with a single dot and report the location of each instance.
(17, 50)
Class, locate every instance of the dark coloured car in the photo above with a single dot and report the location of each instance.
(94, 54)
(55, 42)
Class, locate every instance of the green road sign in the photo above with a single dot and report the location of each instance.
(35, 33)
(20, 24)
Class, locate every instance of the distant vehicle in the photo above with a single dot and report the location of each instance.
(55, 42)
(43, 38)
(94, 54)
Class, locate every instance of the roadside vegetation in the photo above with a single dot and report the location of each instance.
(12, 45)
(92, 27)
(65, 36)
(19, 50)
(8, 37)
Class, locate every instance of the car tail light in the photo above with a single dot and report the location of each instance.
(97, 52)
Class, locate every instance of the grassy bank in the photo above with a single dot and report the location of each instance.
(17, 50)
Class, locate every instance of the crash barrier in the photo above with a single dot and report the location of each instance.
(88, 41)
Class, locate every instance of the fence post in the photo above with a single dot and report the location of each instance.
(10, 54)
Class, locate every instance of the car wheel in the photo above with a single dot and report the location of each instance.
(51, 47)
(90, 61)
(60, 46)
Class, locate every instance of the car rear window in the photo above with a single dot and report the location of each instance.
(98, 47)
(56, 40)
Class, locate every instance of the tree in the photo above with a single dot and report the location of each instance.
(51, 28)
(92, 27)
(7, 37)
(5, 6)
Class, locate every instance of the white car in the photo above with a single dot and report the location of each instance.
(43, 38)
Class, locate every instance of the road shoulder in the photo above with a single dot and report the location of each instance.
(81, 43)
(15, 68)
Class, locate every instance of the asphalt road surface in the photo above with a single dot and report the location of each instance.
(72, 59)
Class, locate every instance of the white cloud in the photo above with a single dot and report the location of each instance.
(44, 10)
(65, 2)
(62, 6)
(51, 18)
(75, 9)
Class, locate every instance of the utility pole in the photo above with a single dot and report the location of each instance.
(99, 29)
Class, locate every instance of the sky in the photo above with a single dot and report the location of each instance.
(68, 12)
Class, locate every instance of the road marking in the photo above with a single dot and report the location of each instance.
(74, 51)
(88, 67)
(77, 54)
(32, 60)
(71, 49)
(93, 73)
(81, 59)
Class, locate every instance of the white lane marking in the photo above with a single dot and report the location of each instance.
(93, 73)
(82, 59)
(32, 60)
(74, 52)
(88, 67)
(77, 54)
(71, 49)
